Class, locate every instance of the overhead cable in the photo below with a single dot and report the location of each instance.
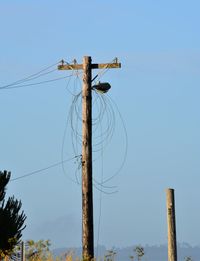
(44, 169)
(30, 76)
(36, 83)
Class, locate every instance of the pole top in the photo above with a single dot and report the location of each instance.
(170, 191)
(87, 57)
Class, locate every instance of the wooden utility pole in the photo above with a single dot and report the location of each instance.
(171, 221)
(87, 191)
(87, 194)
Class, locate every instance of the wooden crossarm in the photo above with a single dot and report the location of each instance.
(94, 66)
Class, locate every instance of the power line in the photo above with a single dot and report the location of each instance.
(100, 199)
(43, 72)
(29, 77)
(37, 83)
(35, 77)
(126, 142)
(43, 169)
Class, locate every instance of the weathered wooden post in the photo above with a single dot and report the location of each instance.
(87, 197)
(171, 221)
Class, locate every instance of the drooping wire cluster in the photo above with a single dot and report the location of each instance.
(103, 124)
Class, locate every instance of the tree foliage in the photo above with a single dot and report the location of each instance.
(11, 220)
(110, 256)
(188, 258)
(37, 250)
(139, 250)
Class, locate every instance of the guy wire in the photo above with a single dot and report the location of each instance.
(43, 169)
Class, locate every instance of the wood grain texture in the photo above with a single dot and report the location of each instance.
(87, 193)
(93, 66)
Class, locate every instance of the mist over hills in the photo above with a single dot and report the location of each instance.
(152, 253)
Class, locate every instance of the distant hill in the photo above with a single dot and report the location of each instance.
(152, 253)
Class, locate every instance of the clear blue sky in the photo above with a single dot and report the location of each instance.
(157, 91)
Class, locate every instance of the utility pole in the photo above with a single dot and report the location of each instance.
(87, 194)
(87, 191)
(171, 220)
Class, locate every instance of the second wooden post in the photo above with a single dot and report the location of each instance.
(171, 221)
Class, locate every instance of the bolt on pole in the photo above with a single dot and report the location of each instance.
(171, 221)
